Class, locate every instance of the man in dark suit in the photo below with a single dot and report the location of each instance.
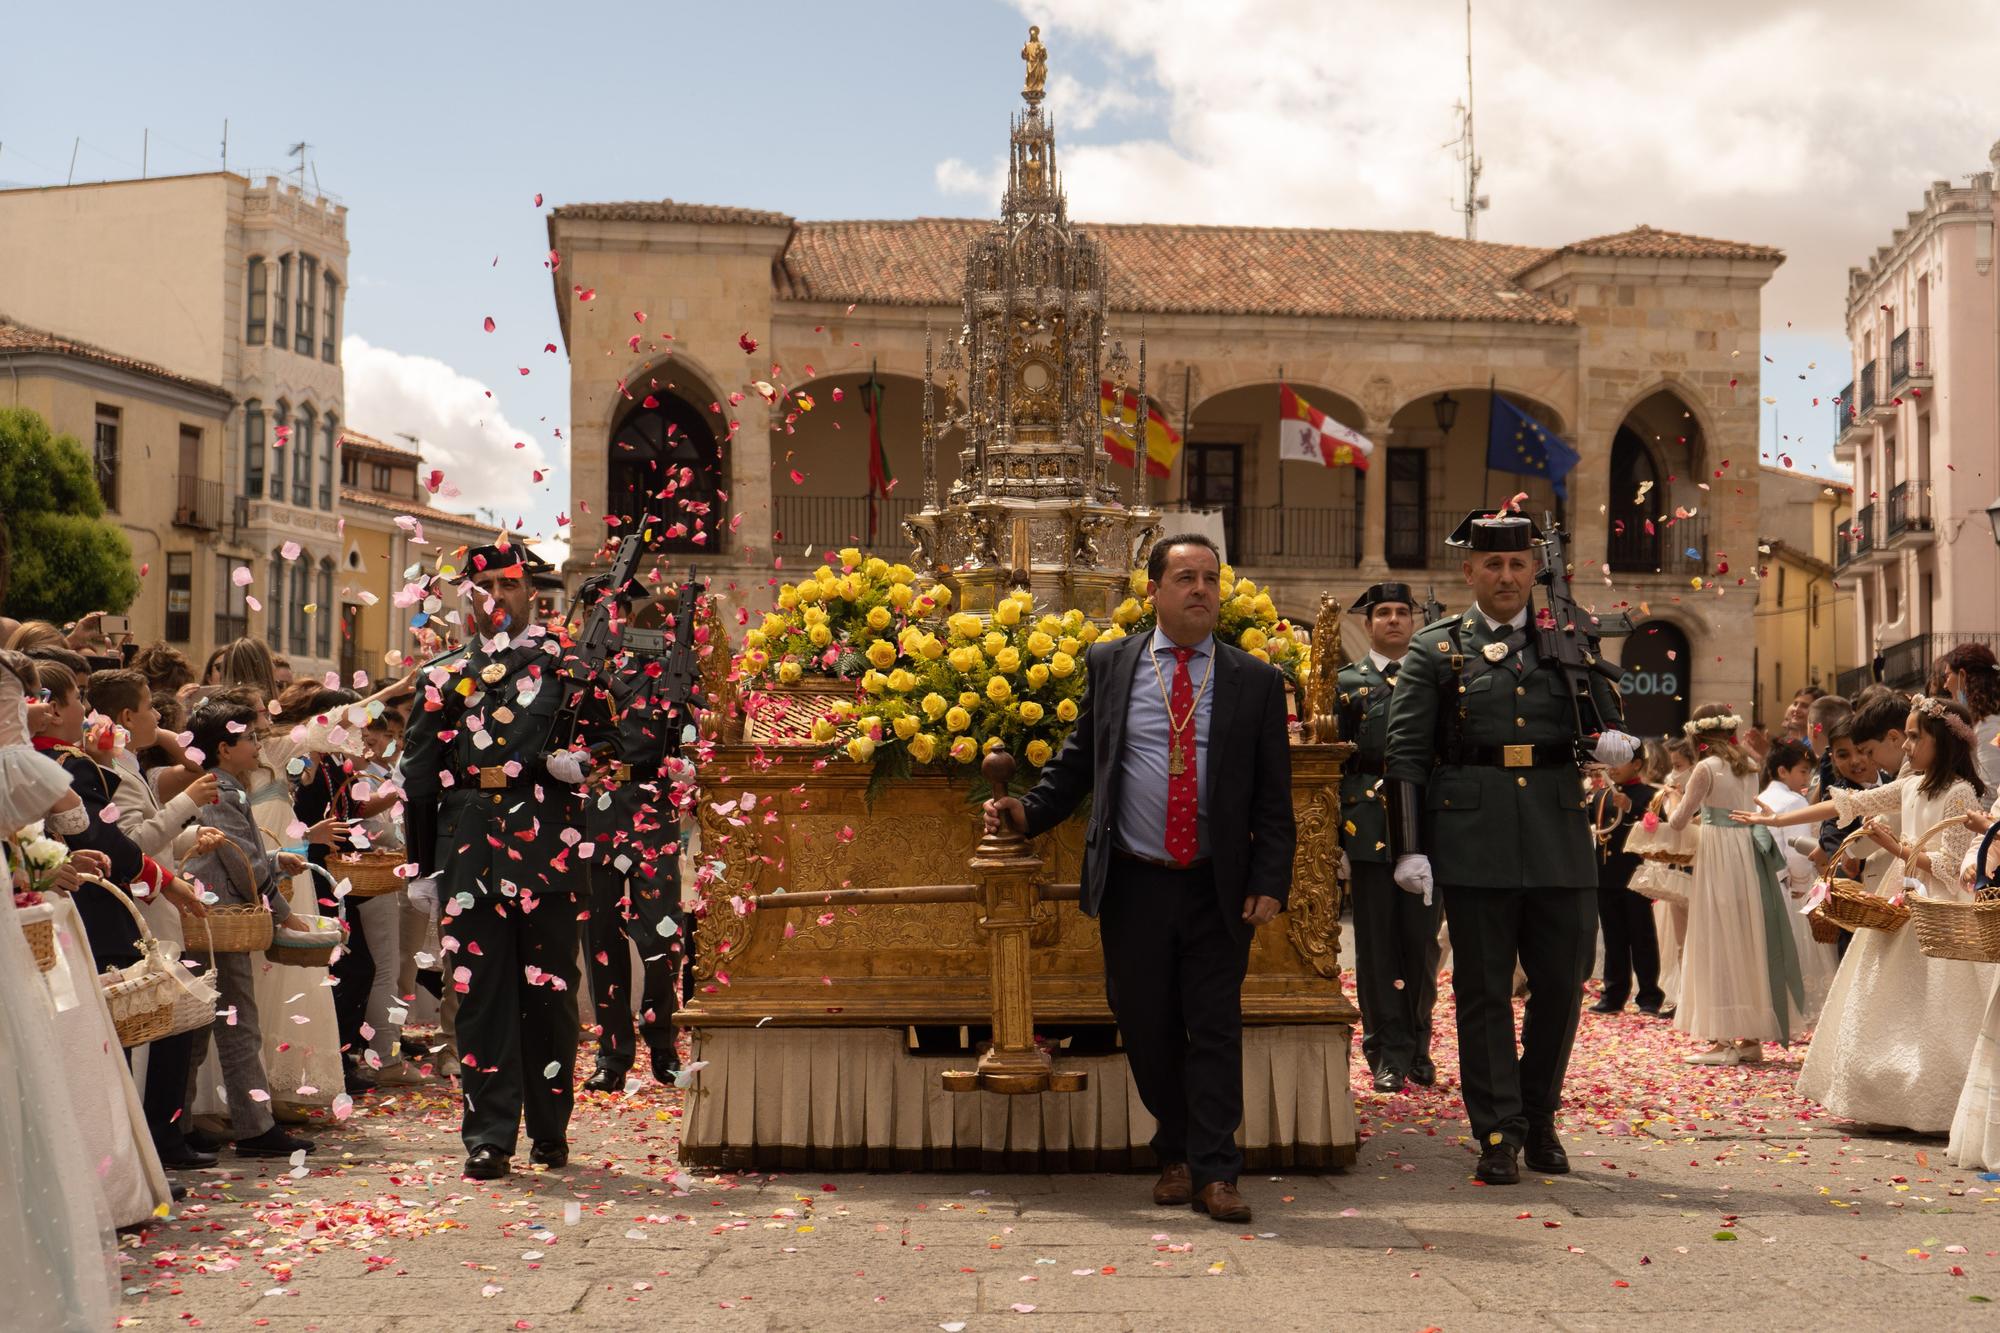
(1181, 745)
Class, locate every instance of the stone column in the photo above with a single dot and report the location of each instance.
(1375, 503)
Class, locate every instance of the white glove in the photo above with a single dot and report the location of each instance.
(1413, 875)
(564, 766)
(1346, 871)
(1615, 748)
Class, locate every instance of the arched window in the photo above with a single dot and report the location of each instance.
(1631, 547)
(326, 461)
(253, 448)
(327, 613)
(671, 444)
(274, 602)
(308, 303)
(301, 594)
(281, 316)
(303, 432)
(258, 302)
(329, 337)
(282, 437)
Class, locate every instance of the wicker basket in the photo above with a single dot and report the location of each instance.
(290, 953)
(155, 997)
(370, 874)
(1969, 932)
(231, 927)
(38, 923)
(1851, 907)
(1824, 930)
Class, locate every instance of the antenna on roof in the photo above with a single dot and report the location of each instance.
(298, 150)
(1474, 203)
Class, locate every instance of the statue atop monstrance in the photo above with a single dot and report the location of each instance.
(1035, 504)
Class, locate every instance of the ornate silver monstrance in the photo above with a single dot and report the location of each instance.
(1035, 504)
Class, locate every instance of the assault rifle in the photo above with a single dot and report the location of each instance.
(595, 641)
(1568, 637)
(680, 667)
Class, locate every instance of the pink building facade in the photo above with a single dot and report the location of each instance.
(1920, 427)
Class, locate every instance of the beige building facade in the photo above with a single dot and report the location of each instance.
(1805, 620)
(234, 284)
(140, 422)
(1920, 426)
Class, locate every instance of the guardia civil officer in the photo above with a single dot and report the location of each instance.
(1395, 933)
(1486, 795)
(489, 789)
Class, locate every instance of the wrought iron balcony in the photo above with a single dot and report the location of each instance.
(1852, 681)
(1678, 548)
(829, 522)
(1905, 665)
(1278, 535)
(1847, 414)
(1866, 383)
(197, 504)
(1856, 539)
(1910, 358)
(1906, 511)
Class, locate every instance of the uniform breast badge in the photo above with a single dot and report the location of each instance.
(1494, 652)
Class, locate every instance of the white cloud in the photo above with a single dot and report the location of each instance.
(1813, 127)
(462, 431)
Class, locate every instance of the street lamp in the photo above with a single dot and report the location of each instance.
(1446, 411)
(1993, 517)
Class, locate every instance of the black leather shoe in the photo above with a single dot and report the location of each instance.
(1607, 1007)
(1652, 1010)
(552, 1153)
(1389, 1079)
(273, 1142)
(605, 1080)
(1423, 1072)
(1544, 1153)
(188, 1158)
(487, 1163)
(1497, 1164)
(178, 1190)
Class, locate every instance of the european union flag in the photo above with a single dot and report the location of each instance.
(1516, 442)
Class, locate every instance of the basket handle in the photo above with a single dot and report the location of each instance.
(145, 931)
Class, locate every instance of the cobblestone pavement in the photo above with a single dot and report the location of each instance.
(1701, 1198)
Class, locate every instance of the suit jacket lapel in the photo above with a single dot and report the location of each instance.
(1221, 707)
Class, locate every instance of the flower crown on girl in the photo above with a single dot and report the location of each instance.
(1936, 708)
(1727, 724)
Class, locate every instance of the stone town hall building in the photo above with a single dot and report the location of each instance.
(1640, 349)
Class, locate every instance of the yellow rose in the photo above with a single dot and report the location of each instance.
(1050, 625)
(878, 618)
(1252, 640)
(1228, 576)
(789, 671)
(822, 731)
(1038, 752)
(900, 595)
(990, 744)
(815, 615)
(957, 719)
(870, 725)
(902, 573)
(1245, 588)
(1128, 611)
(849, 587)
(968, 699)
(1137, 583)
(923, 747)
(1070, 644)
(850, 556)
(1008, 659)
(934, 706)
(1031, 712)
(1007, 613)
(819, 635)
(808, 592)
(932, 648)
(964, 626)
(941, 595)
(1040, 644)
(882, 653)
(998, 690)
(873, 681)
(875, 567)
(754, 639)
(1061, 665)
(1038, 675)
(861, 749)
(788, 598)
(1263, 605)
(1115, 632)
(964, 750)
(755, 659)
(844, 710)
(1088, 632)
(906, 726)
(1066, 710)
(993, 642)
(901, 681)
(1261, 655)
(964, 659)
(1239, 604)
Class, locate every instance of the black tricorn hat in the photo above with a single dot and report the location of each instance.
(1384, 592)
(1485, 530)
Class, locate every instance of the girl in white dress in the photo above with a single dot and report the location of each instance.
(32, 781)
(1665, 868)
(1975, 1129)
(1894, 1044)
(1739, 972)
(1972, 679)
(1788, 768)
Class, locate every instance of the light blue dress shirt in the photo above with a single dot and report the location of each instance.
(1142, 808)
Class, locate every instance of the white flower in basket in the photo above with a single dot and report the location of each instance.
(44, 854)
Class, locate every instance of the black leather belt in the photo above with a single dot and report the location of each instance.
(1160, 863)
(1547, 754)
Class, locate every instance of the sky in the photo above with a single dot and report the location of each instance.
(1812, 127)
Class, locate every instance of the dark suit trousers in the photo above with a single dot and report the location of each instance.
(1174, 973)
(353, 978)
(613, 920)
(509, 1031)
(1551, 932)
(1395, 967)
(1631, 943)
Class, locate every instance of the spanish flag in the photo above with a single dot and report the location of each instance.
(1163, 446)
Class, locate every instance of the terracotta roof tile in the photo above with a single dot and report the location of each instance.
(368, 444)
(20, 338)
(457, 522)
(670, 210)
(1179, 269)
(1644, 242)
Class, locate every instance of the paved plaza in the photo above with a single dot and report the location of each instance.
(1702, 1198)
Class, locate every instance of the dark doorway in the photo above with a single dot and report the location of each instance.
(1215, 481)
(1633, 549)
(1654, 686)
(669, 444)
(1407, 508)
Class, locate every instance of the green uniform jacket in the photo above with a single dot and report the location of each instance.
(1364, 720)
(1487, 826)
(482, 840)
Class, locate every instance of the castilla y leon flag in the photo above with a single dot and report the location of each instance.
(1308, 435)
(1163, 445)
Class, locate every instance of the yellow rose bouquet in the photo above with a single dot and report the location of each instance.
(1248, 621)
(838, 622)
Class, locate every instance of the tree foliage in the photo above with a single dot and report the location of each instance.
(66, 559)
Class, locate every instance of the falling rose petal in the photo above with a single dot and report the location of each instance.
(241, 576)
(551, 1069)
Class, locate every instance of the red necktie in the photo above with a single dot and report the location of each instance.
(1182, 792)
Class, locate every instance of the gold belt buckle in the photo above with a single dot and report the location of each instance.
(623, 773)
(491, 779)
(1517, 756)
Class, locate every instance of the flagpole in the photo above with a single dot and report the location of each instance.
(1278, 510)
